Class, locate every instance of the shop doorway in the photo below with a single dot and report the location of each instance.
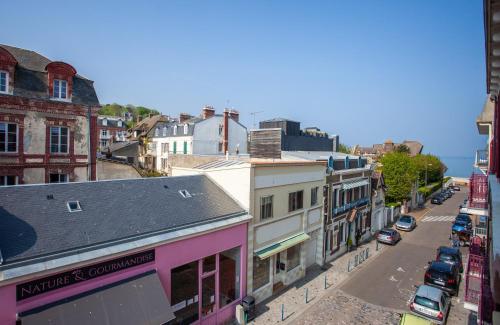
(279, 271)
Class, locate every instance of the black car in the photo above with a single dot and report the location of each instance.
(443, 276)
(437, 200)
(446, 194)
(450, 255)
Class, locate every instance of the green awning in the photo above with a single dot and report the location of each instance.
(353, 184)
(281, 246)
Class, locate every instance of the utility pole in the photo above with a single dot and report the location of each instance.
(253, 114)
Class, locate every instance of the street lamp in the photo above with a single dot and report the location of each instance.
(426, 173)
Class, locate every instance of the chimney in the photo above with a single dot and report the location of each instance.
(207, 112)
(235, 115)
(225, 131)
(150, 115)
(138, 118)
(183, 117)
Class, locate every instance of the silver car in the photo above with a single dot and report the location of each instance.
(406, 223)
(431, 303)
(388, 236)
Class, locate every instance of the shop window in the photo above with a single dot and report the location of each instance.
(185, 293)
(314, 196)
(59, 139)
(293, 257)
(260, 272)
(295, 201)
(208, 295)
(266, 207)
(229, 276)
(8, 180)
(209, 264)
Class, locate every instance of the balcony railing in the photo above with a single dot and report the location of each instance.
(350, 205)
(482, 159)
(478, 191)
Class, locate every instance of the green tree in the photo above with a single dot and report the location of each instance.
(400, 174)
(344, 148)
(430, 165)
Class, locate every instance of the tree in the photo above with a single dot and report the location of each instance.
(403, 148)
(400, 175)
(344, 148)
(430, 165)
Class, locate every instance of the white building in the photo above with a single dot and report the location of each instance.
(209, 134)
(285, 200)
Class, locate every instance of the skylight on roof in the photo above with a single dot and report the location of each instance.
(74, 206)
(185, 194)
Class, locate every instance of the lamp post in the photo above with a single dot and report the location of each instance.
(426, 173)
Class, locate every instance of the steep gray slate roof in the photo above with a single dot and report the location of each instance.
(31, 78)
(111, 123)
(33, 225)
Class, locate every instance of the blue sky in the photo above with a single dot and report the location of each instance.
(366, 70)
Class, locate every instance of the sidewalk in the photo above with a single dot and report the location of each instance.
(293, 297)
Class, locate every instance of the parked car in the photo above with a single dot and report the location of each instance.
(456, 188)
(444, 276)
(388, 236)
(461, 226)
(465, 218)
(410, 319)
(446, 194)
(431, 303)
(406, 223)
(437, 200)
(450, 255)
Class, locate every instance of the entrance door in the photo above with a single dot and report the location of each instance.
(279, 271)
(311, 246)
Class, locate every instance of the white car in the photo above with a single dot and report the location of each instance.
(431, 303)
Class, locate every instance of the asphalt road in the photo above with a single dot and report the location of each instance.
(389, 280)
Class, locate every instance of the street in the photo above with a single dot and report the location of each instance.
(388, 281)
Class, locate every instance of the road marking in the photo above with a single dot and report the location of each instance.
(438, 219)
(393, 279)
(400, 269)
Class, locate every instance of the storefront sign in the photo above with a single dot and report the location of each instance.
(61, 280)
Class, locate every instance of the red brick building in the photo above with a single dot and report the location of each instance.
(48, 120)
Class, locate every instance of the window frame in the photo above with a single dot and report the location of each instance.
(66, 176)
(293, 201)
(262, 207)
(6, 91)
(59, 87)
(3, 180)
(6, 143)
(314, 195)
(59, 152)
(186, 129)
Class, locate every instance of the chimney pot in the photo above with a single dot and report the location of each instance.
(207, 112)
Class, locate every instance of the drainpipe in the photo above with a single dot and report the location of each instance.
(89, 157)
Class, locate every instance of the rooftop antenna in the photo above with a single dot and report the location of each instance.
(253, 114)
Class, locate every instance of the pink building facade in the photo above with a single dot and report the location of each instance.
(202, 276)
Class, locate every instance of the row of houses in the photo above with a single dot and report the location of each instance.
(197, 242)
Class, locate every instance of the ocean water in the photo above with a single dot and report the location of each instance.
(459, 166)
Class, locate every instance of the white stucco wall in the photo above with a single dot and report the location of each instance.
(207, 138)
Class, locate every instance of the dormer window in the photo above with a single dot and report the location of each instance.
(185, 129)
(104, 120)
(4, 82)
(157, 132)
(175, 129)
(119, 123)
(164, 132)
(60, 89)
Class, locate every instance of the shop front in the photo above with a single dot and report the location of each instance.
(194, 280)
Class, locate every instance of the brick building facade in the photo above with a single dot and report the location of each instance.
(48, 120)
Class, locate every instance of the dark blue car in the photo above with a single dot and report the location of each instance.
(460, 226)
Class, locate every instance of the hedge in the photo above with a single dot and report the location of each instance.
(429, 189)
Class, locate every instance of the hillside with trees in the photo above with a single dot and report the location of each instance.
(119, 110)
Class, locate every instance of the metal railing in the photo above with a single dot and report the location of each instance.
(350, 205)
(482, 158)
(478, 191)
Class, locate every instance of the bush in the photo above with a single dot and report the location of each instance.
(393, 204)
(429, 189)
